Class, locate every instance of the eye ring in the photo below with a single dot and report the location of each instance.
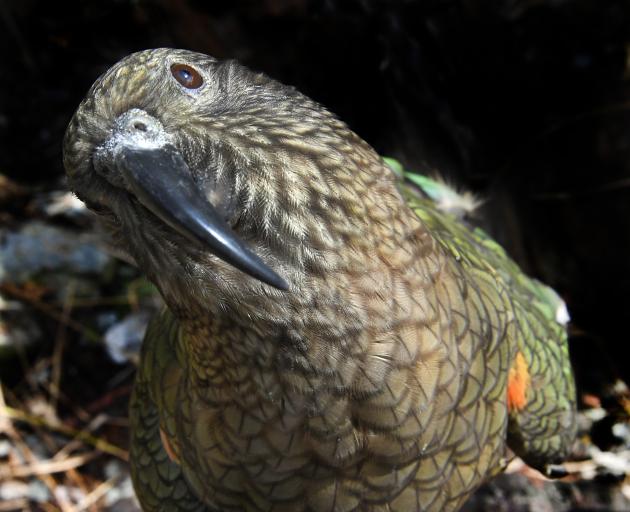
(187, 76)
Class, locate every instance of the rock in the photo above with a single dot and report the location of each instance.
(17, 329)
(121, 497)
(39, 247)
(123, 339)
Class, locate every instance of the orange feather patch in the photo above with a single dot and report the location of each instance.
(168, 448)
(518, 384)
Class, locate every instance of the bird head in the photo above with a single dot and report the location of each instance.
(224, 185)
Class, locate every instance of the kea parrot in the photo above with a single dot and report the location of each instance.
(334, 339)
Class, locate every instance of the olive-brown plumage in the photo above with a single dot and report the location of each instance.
(333, 341)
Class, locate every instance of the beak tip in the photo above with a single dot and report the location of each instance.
(283, 285)
(273, 279)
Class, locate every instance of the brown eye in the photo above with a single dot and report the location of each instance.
(187, 76)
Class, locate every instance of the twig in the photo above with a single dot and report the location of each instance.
(60, 342)
(98, 443)
(47, 467)
(47, 507)
(97, 493)
(13, 505)
(78, 480)
(108, 398)
(49, 310)
(29, 456)
(5, 423)
(119, 300)
(95, 424)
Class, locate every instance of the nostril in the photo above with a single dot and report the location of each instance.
(140, 126)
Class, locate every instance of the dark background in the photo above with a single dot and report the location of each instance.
(524, 102)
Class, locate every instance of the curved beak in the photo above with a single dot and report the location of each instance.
(162, 182)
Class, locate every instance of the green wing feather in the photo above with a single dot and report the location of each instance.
(542, 431)
(159, 482)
